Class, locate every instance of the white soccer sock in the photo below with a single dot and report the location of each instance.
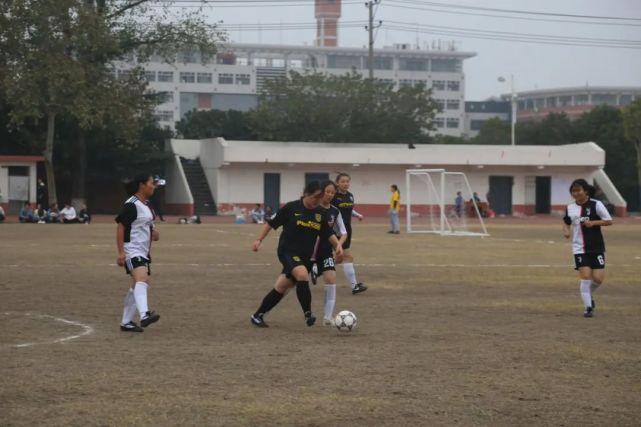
(350, 273)
(330, 300)
(129, 310)
(594, 286)
(140, 294)
(586, 295)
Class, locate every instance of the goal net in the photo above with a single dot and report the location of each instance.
(442, 202)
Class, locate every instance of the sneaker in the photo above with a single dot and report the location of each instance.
(258, 321)
(131, 327)
(314, 273)
(328, 322)
(310, 319)
(391, 232)
(588, 312)
(360, 287)
(150, 317)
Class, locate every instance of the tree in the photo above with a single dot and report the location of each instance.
(632, 129)
(493, 132)
(344, 108)
(56, 56)
(231, 124)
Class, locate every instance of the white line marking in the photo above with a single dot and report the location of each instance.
(86, 329)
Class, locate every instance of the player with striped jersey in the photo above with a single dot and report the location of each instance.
(134, 234)
(586, 216)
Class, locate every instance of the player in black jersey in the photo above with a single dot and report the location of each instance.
(324, 261)
(303, 222)
(344, 201)
(587, 216)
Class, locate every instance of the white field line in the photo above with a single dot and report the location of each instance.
(86, 329)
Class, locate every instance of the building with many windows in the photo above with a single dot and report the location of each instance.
(235, 77)
(478, 112)
(573, 101)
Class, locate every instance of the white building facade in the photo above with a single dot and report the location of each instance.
(235, 77)
(243, 173)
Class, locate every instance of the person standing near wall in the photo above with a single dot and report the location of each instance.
(394, 208)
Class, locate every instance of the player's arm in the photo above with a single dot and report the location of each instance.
(357, 215)
(567, 221)
(264, 231)
(341, 229)
(120, 244)
(337, 245)
(603, 213)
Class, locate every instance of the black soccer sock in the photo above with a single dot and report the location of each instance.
(304, 296)
(270, 301)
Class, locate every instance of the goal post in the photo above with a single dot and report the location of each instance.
(441, 202)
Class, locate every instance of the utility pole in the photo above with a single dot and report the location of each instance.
(370, 29)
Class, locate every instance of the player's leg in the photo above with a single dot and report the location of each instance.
(329, 277)
(129, 312)
(350, 272)
(598, 275)
(271, 300)
(140, 273)
(585, 282)
(300, 274)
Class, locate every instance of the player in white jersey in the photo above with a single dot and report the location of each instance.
(324, 261)
(587, 216)
(133, 239)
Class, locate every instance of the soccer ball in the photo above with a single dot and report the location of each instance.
(345, 321)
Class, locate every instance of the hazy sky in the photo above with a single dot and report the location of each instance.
(533, 65)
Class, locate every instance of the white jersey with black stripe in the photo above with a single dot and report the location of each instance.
(138, 220)
(586, 239)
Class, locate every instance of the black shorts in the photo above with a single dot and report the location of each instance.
(290, 262)
(135, 262)
(325, 262)
(594, 261)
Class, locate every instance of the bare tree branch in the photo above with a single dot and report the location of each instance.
(127, 7)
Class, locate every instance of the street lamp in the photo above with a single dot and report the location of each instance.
(513, 102)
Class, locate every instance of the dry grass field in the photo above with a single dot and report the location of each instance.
(453, 331)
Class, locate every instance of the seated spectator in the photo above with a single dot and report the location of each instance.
(53, 214)
(269, 213)
(26, 214)
(84, 216)
(40, 215)
(258, 215)
(68, 215)
(2, 215)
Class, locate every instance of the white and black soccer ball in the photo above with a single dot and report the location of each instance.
(345, 321)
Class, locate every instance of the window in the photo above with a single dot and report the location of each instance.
(551, 101)
(529, 104)
(476, 124)
(166, 97)
(227, 58)
(187, 77)
(440, 103)
(521, 105)
(242, 61)
(381, 63)
(453, 85)
(581, 100)
(599, 99)
(190, 57)
(165, 76)
(384, 82)
(242, 79)
(278, 62)
(421, 82)
(296, 63)
(341, 61)
(539, 102)
(438, 85)
(124, 74)
(225, 79)
(439, 122)
(164, 115)
(625, 100)
(260, 62)
(446, 65)
(565, 101)
(203, 77)
(150, 76)
(412, 64)
(405, 83)
(452, 123)
(453, 104)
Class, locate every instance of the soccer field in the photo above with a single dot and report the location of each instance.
(453, 330)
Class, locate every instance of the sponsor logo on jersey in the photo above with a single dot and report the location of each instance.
(318, 217)
(295, 258)
(309, 224)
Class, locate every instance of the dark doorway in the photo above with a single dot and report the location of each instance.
(271, 191)
(316, 176)
(500, 195)
(543, 194)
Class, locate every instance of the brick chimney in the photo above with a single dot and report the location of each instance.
(327, 13)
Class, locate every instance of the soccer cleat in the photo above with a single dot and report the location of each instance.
(314, 273)
(328, 322)
(593, 305)
(360, 287)
(588, 312)
(131, 327)
(150, 317)
(310, 319)
(391, 232)
(258, 321)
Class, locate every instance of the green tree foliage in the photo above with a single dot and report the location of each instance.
(632, 130)
(56, 61)
(493, 132)
(345, 108)
(231, 124)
